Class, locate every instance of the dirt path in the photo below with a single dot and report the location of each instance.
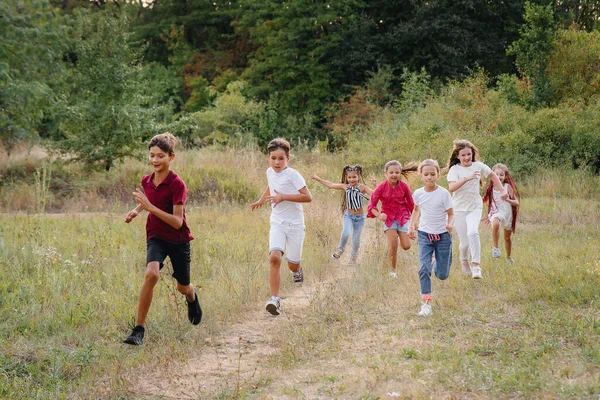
(239, 354)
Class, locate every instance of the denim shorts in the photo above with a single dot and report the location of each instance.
(179, 254)
(396, 226)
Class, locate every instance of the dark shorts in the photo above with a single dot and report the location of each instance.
(179, 254)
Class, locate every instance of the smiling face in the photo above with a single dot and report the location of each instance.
(278, 160)
(393, 173)
(160, 159)
(501, 174)
(353, 178)
(429, 176)
(466, 157)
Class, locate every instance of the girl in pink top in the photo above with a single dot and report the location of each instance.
(396, 207)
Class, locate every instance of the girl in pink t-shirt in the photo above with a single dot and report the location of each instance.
(396, 207)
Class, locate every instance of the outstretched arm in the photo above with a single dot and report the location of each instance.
(498, 185)
(328, 184)
(259, 203)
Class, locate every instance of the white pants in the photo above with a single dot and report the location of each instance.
(466, 224)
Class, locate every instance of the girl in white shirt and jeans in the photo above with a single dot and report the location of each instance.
(464, 182)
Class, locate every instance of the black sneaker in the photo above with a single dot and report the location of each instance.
(194, 310)
(137, 336)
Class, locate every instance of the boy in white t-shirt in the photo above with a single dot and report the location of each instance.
(285, 191)
(432, 221)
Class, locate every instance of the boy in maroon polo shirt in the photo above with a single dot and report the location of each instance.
(167, 233)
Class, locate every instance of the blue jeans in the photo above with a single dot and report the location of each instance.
(353, 224)
(429, 244)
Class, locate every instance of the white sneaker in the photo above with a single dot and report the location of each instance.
(476, 273)
(273, 306)
(510, 261)
(466, 267)
(425, 310)
(394, 274)
(496, 252)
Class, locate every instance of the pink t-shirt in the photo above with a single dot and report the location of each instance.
(396, 202)
(171, 191)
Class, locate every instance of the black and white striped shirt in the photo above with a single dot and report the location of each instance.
(354, 198)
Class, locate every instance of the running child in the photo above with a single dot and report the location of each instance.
(502, 213)
(351, 205)
(285, 192)
(464, 181)
(396, 207)
(432, 221)
(163, 195)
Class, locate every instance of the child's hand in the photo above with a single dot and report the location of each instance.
(412, 233)
(141, 198)
(314, 176)
(131, 215)
(449, 228)
(504, 195)
(374, 182)
(475, 175)
(382, 217)
(275, 199)
(257, 204)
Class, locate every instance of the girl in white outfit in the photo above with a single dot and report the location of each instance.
(464, 182)
(502, 213)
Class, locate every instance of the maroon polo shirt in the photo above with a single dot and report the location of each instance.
(171, 191)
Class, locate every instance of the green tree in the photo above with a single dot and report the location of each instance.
(108, 114)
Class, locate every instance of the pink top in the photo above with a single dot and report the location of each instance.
(396, 202)
(171, 191)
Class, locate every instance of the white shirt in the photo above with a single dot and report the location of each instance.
(434, 206)
(288, 181)
(467, 198)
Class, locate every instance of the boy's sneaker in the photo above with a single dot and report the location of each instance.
(476, 273)
(425, 310)
(337, 254)
(394, 274)
(510, 261)
(298, 276)
(137, 336)
(194, 310)
(496, 252)
(352, 261)
(466, 267)
(273, 306)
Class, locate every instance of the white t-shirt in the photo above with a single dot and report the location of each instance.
(434, 206)
(468, 198)
(288, 181)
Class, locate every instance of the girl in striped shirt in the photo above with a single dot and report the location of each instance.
(351, 206)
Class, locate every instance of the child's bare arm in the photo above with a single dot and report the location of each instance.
(512, 200)
(261, 201)
(175, 219)
(133, 213)
(303, 196)
(413, 225)
(450, 222)
(328, 184)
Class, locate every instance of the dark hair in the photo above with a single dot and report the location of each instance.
(459, 145)
(489, 194)
(165, 141)
(344, 179)
(279, 143)
(406, 170)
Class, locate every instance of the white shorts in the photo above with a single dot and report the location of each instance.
(288, 238)
(505, 221)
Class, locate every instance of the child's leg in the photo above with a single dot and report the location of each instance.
(443, 255)
(346, 230)
(472, 220)
(460, 224)
(392, 240)
(147, 291)
(358, 224)
(274, 274)
(495, 231)
(426, 249)
(508, 242)
(404, 240)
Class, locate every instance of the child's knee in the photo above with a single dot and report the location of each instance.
(152, 276)
(275, 257)
(405, 246)
(442, 275)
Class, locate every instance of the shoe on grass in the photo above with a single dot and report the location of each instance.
(510, 261)
(137, 336)
(394, 274)
(337, 254)
(466, 267)
(476, 273)
(352, 260)
(425, 310)
(273, 306)
(298, 276)
(496, 252)
(194, 310)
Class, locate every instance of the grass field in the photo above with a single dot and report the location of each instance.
(69, 285)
